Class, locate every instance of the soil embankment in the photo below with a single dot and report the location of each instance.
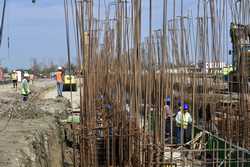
(29, 133)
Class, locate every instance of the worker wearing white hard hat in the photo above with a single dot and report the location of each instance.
(14, 79)
(25, 90)
(59, 81)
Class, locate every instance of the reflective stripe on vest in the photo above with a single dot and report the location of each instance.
(182, 120)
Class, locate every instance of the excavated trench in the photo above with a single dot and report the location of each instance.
(30, 133)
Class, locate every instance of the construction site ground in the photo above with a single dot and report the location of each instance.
(30, 133)
(66, 94)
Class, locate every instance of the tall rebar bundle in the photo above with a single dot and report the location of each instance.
(124, 82)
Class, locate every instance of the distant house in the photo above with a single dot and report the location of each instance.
(212, 65)
(215, 66)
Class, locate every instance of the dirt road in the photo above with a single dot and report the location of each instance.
(29, 134)
(75, 97)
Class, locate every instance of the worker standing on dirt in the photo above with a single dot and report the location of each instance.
(14, 78)
(25, 90)
(59, 81)
(31, 78)
(183, 119)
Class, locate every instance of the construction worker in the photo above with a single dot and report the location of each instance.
(59, 81)
(31, 78)
(179, 105)
(25, 90)
(167, 116)
(183, 119)
(14, 78)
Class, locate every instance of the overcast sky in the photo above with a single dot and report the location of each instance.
(38, 30)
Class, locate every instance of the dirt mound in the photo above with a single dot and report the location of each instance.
(53, 106)
(30, 134)
(13, 107)
(35, 110)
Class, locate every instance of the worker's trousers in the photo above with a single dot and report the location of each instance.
(167, 127)
(25, 97)
(186, 135)
(14, 83)
(59, 86)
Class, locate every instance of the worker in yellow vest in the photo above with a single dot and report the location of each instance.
(59, 81)
(183, 119)
(14, 78)
(226, 71)
(25, 89)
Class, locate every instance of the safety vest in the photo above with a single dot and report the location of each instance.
(227, 70)
(25, 90)
(13, 76)
(183, 119)
(59, 76)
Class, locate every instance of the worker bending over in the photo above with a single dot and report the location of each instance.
(183, 119)
(25, 90)
(59, 81)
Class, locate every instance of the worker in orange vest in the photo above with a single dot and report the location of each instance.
(59, 81)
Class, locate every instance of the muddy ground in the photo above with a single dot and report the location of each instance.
(30, 135)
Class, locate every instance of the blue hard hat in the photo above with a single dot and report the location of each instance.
(179, 102)
(108, 106)
(185, 107)
(168, 99)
